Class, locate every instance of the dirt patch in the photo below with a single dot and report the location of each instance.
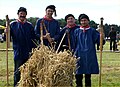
(111, 68)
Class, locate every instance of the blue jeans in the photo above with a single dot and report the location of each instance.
(17, 64)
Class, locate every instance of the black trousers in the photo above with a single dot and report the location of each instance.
(17, 64)
(98, 46)
(79, 78)
(112, 45)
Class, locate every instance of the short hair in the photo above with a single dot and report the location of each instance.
(53, 8)
(81, 16)
(22, 9)
(69, 15)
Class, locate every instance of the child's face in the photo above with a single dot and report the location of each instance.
(84, 22)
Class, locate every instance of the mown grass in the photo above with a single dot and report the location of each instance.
(3, 70)
(110, 68)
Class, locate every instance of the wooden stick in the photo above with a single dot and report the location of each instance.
(7, 45)
(47, 33)
(41, 33)
(68, 35)
(101, 48)
(8, 30)
(61, 42)
(42, 21)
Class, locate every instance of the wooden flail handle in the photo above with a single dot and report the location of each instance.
(68, 36)
(61, 42)
(7, 45)
(48, 36)
(101, 34)
(41, 33)
(8, 31)
(101, 48)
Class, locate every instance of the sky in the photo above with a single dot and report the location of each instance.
(95, 9)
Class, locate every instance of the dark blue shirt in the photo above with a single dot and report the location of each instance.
(22, 36)
(52, 27)
(65, 44)
(85, 50)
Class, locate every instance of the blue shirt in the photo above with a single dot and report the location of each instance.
(71, 37)
(52, 27)
(22, 36)
(85, 50)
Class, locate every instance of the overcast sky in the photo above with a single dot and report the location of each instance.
(95, 9)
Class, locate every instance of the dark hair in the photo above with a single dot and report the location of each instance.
(81, 16)
(69, 15)
(52, 7)
(22, 9)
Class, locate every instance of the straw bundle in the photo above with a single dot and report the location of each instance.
(48, 69)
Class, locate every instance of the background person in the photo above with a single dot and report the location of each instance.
(112, 35)
(117, 39)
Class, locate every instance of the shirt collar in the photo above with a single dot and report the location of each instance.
(84, 28)
(68, 26)
(18, 20)
(48, 19)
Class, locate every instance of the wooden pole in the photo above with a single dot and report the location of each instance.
(8, 30)
(61, 42)
(47, 33)
(7, 45)
(101, 48)
(41, 33)
(68, 35)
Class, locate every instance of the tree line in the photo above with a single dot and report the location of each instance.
(62, 23)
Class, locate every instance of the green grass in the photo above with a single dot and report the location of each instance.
(3, 69)
(110, 68)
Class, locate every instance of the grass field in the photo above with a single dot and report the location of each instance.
(110, 68)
